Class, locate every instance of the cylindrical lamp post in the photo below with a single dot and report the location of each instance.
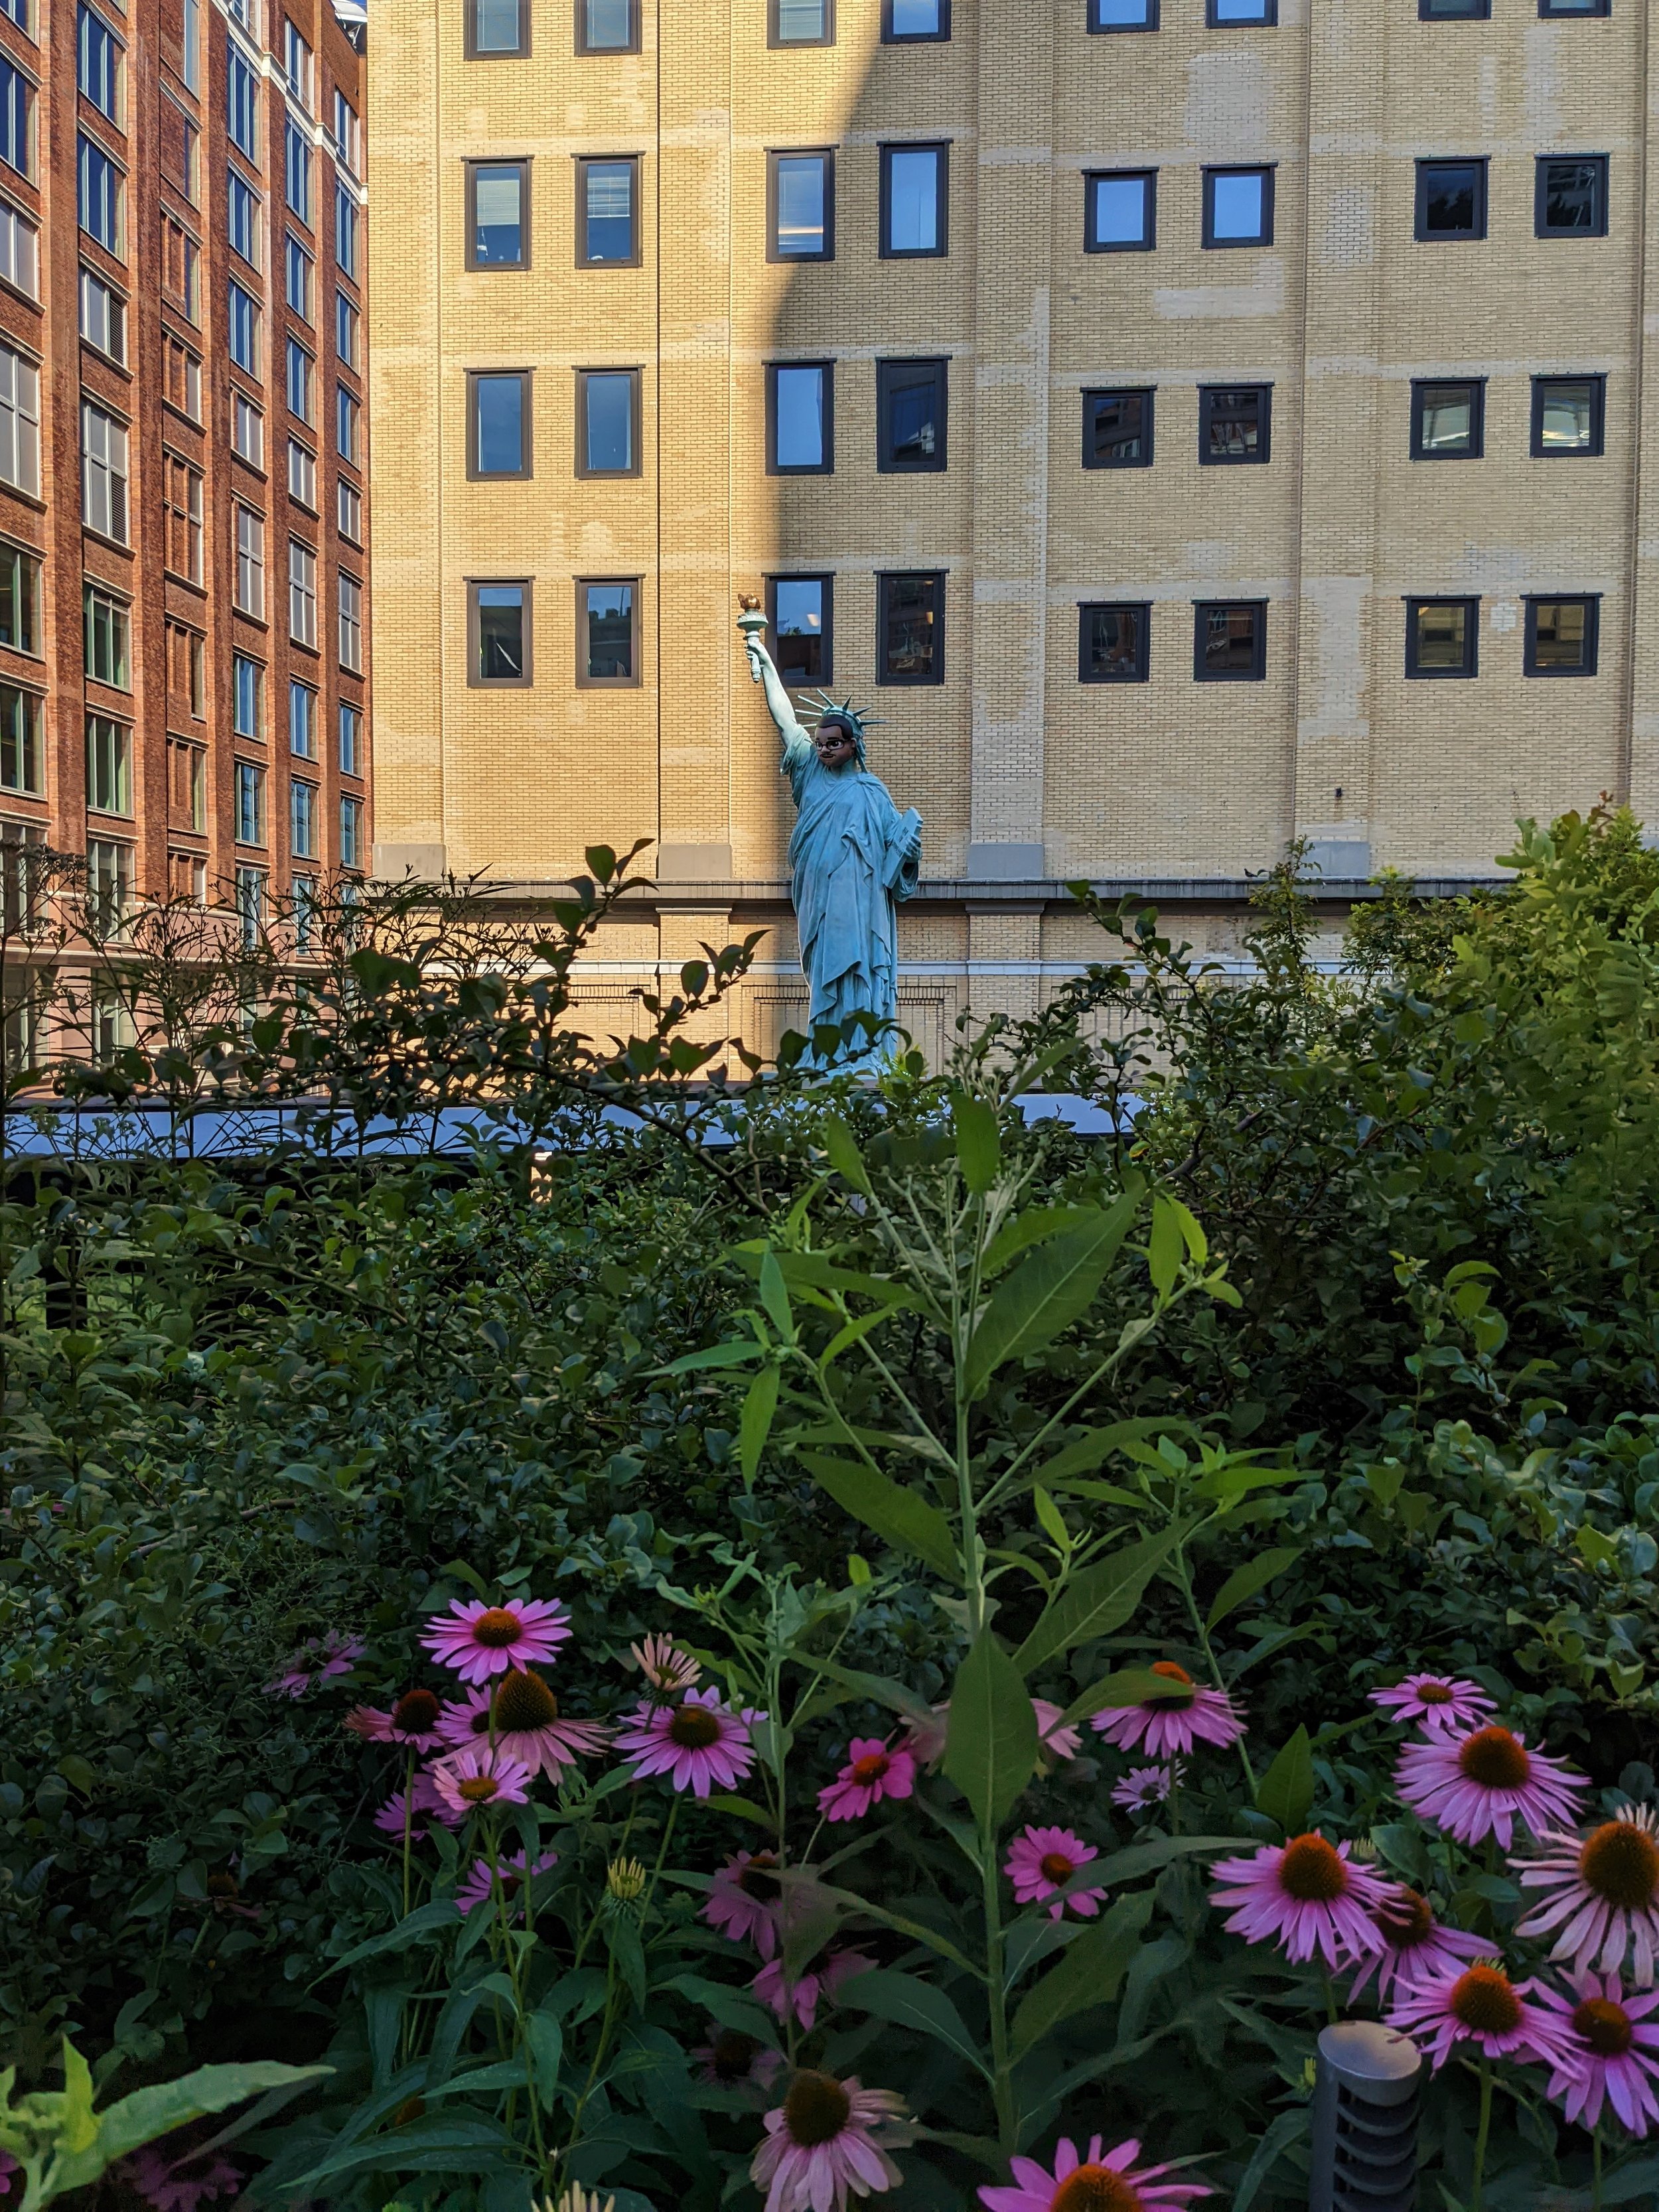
(1364, 2120)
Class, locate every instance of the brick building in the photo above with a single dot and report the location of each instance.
(183, 665)
(1193, 423)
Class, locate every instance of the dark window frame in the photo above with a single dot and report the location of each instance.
(1477, 386)
(890, 37)
(1257, 672)
(1207, 395)
(885, 251)
(827, 466)
(886, 466)
(1099, 30)
(523, 165)
(1481, 166)
(474, 473)
(1141, 672)
(885, 578)
(1265, 170)
(1597, 447)
(825, 577)
(1602, 8)
(636, 381)
(470, 49)
(1471, 11)
(1091, 242)
(474, 681)
(584, 162)
(1471, 667)
(777, 44)
(1146, 395)
(773, 155)
(1266, 21)
(585, 682)
(579, 44)
(1598, 162)
(1591, 602)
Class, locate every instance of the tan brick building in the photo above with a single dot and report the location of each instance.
(1191, 430)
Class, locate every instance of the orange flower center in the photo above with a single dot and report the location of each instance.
(693, 1728)
(1482, 2000)
(1406, 1919)
(871, 1767)
(478, 1789)
(1055, 1866)
(1434, 1693)
(523, 1702)
(1604, 2026)
(1170, 1701)
(758, 1881)
(1495, 1760)
(817, 2109)
(415, 1712)
(1096, 2189)
(1619, 1862)
(1312, 1871)
(496, 1628)
(733, 2053)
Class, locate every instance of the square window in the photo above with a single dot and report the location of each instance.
(800, 23)
(1449, 419)
(498, 423)
(1234, 423)
(800, 420)
(1568, 414)
(1219, 14)
(1112, 643)
(496, 29)
(800, 206)
(801, 614)
(915, 196)
(910, 628)
(498, 215)
(1229, 640)
(905, 19)
(1441, 637)
(1123, 14)
(607, 27)
(1117, 430)
(1120, 211)
(607, 633)
(1569, 197)
(607, 422)
(607, 194)
(498, 618)
(1238, 207)
(1451, 200)
(910, 416)
(1561, 636)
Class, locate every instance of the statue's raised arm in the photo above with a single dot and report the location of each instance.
(779, 704)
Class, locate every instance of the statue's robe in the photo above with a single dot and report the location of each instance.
(852, 854)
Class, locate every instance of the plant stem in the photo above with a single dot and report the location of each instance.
(996, 1992)
(1477, 2186)
(1596, 2168)
(1179, 1562)
(409, 1822)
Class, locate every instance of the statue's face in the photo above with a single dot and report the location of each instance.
(835, 747)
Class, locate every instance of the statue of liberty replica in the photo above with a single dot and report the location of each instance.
(853, 855)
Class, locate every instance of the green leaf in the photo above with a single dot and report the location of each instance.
(1197, 1243)
(775, 1296)
(1285, 1791)
(1254, 1574)
(1087, 1973)
(842, 1152)
(979, 1142)
(1289, 2127)
(1053, 1520)
(1163, 1247)
(1085, 1453)
(1126, 1685)
(759, 1405)
(991, 1747)
(1034, 1226)
(879, 1688)
(902, 1517)
(909, 2002)
(1099, 1600)
(1234, 1480)
(147, 2113)
(77, 2126)
(1046, 1293)
(1596, 1549)
(742, 1808)
(734, 1354)
(730, 2007)
(424, 1919)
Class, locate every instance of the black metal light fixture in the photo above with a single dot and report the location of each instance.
(1365, 2108)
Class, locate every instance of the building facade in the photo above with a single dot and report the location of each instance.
(1193, 424)
(184, 669)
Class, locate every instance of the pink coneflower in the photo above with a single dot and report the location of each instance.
(669, 1670)
(1305, 1895)
(469, 1780)
(412, 1721)
(1172, 1721)
(1057, 1739)
(1475, 1785)
(318, 1659)
(528, 1724)
(1612, 2054)
(743, 1901)
(1480, 2005)
(9, 2169)
(1043, 1860)
(1416, 1946)
(164, 2184)
(1101, 2181)
(824, 2143)
(874, 1771)
(1437, 1700)
(1603, 1898)
(820, 1981)
(700, 1744)
(731, 2060)
(478, 1889)
(480, 1640)
(1145, 1788)
(423, 1799)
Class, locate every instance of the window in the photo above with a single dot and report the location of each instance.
(98, 183)
(347, 134)
(190, 158)
(1117, 430)
(180, 266)
(496, 27)
(181, 377)
(350, 503)
(19, 250)
(187, 783)
(22, 758)
(910, 628)
(1569, 196)
(19, 599)
(187, 873)
(302, 721)
(181, 502)
(911, 414)
(296, 170)
(299, 367)
(251, 904)
(247, 431)
(1219, 14)
(345, 229)
(98, 53)
(22, 885)
(109, 765)
(20, 423)
(347, 425)
(1448, 420)
(109, 894)
(242, 103)
(607, 422)
(351, 833)
(1561, 636)
(297, 64)
(351, 623)
(1235, 422)
(301, 593)
(17, 11)
(1112, 643)
(242, 216)
(1567, 415)
(17, 110)
(297, 273)
(248, 701)
(250, 563)
(1123, 14)
(607, 27)
(346, 331)
(302, 474)
(800, 23)
(1229, 640)
(801, 207)
(1434, 11)
(498, 623)
(1441, 637)
(905, 19)
(103, 472)
(498, 215)
(244, 330)
(800, 418)
(103, 316)
(1575, 7)
(107, 627)
(800, 611)
(191, 40)
(1238, 207)
(351, 740)
(915, 196)
(302, 824)
(607, 634)
(250, 803)
(186, 668)
(1451, 200)
(606, 196)
(1119, 211)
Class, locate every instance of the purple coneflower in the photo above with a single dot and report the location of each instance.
(1416, 1946)
(413, 1720)
(1057, 1738)
(826, 2142)
(318, 1659)
(1612, 2054)
(479, 1640)
(1475, 1785)
(743, 1899)
(1306, 1895)
(528, 1724)
(422, 1799)
(1041, 1861)
(1437, 1700)
(666, 1668)
(9, 2169)
(165, 2184)
(479, 1889)
(731, 2060)
(1100, 2181)
(700, 1744)
(1603, 1899)
(1143, 1789)
(820, 1980)
(469, 1780)
(1171, 1721)
(1482, 2006)
(874, 1770)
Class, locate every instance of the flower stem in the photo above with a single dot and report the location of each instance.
(409, 1822)
(1596, 2168)
(1477, 2186)
(1202, 1633)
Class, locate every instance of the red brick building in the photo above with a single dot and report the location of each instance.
(184, 527)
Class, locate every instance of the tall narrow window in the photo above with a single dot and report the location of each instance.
(498, 423)
(1117, 430)
(1238, 207)
(607, 422)
(800, 206)
(181, 493)
(19, 250)
(350, 740)
(351, 639)
(242, 216)
(1235, 422)
(800, 614)
(345, 229)
(300, 381)
(1570, 196)
(910, 416)
(301, 593)
(800, 22)
(1561, 636)
(19, 12)
(348, 426)
(299, 64)
(244, 330)
(247, 697)
(347, 328)
(1451, 200)
(19, 599)
(913, 201)
(302, 822)
(103, 316)
(250, 803)
(242, 104)
(107, 622)
(347, 135)
(351, 833)
(1567, 416)
(16, 119)
(297, 268)
(302, 721)
(181, 377)
(22, 756)
(98, 55)
(349, 501)
(607, 27)
(98, 183)
(250, 563)
(910, 628)
(1229, 640)
(1441, 637)
(1120, 211)
(497, 28)
(20, 423)
(498, 622)
(800, 418)
(1113, 643)
(498, 215)
(905, 20)
(296, 170)
(302, 474)
(109, 765)
(191, 40)
(607, 230)
(607, 633)
(103, 472)
(247, 431)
